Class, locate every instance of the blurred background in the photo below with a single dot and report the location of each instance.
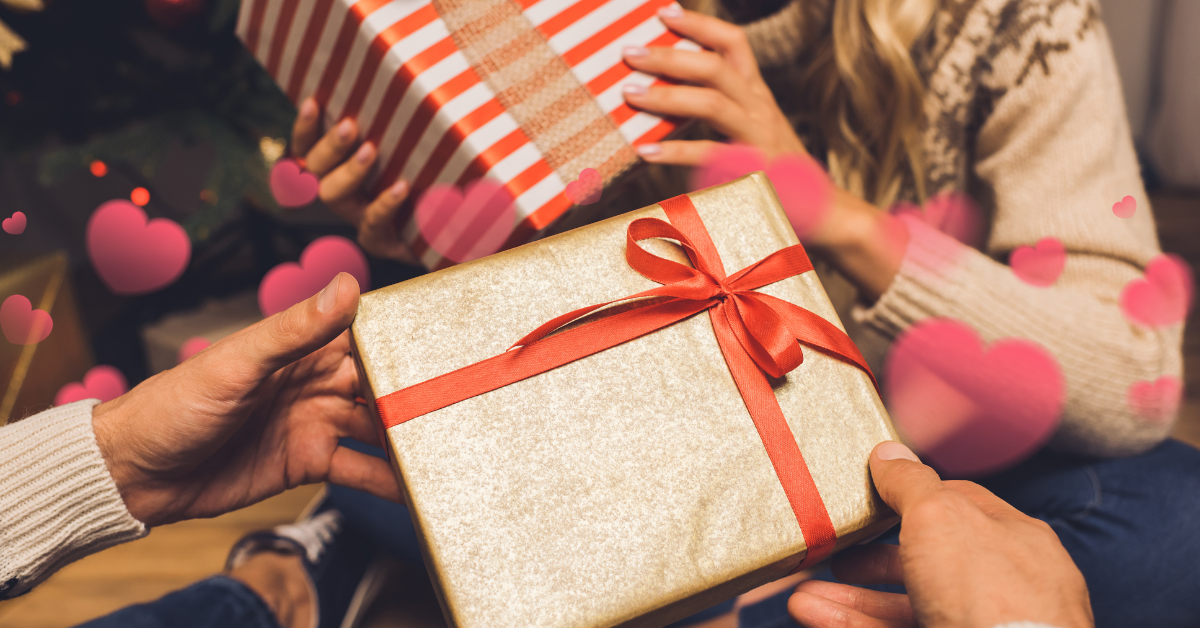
(99, 98)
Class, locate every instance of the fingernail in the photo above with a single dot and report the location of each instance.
(635, 51)
(399, 188)
(308, 109)
(892, 450)
(649, 150)
(671, 11)
(365, 153)
(633, 89)
(328, 297)
(345, 129)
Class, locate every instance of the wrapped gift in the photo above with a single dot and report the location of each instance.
(31, 374)
(525, 92)
(632, 460)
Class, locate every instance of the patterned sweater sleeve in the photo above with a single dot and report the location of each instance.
(1052, 155)
(59, 501)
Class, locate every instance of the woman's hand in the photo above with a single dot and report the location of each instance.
(967, 559)
(342, 171)
(255, 414)
(723, 87)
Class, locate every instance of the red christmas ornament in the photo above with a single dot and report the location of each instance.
(172, 14)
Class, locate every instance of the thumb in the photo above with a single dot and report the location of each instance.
(901, 478)
(285, 337)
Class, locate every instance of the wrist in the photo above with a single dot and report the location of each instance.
(107, 420)
(861, 242)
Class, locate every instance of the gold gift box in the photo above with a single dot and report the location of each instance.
(628, 488)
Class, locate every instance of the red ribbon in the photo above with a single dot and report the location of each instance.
(757, 334)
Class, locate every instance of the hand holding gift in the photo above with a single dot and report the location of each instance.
(257, 413)
(966, 557)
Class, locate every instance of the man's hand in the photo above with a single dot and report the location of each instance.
(253, 415)
(342, 168)
(967, 558)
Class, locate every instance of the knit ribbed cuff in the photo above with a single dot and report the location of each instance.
(926, 280)
(59, 501)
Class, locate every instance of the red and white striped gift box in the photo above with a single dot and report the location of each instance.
(394, 66)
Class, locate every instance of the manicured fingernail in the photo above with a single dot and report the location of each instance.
(399, 188)
(633, 89)
(345, 130)
(308, 109)
(635, 51)
(892, 450)
(649, 150)
(328, 297)
(365, 153)
(671, 11)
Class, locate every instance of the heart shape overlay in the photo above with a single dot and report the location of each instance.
(101, 382)
(1039, 265)
(293, 186)
(292, 282)
(1155, 401)
(463, 225)
(14, 225)
(953, 213)
(23, 325)
(134, 255)
(966, 410)
(1125, 208)
(1163, 296)
(191, 347)
(587, 189)
(802, 186)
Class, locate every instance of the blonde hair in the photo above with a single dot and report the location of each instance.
(860, 95)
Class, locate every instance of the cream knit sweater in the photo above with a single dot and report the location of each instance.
(1027, 114)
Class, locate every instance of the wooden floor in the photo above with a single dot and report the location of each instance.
(174, 556)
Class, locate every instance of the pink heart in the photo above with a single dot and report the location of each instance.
(1157, 400)
(462, 227)
(1125, 207)
(191, 347)
(14, 225)
(290, 283)
(101, 382)
(802, 186)
(1163, 297)
(587, 189)
(1039, 265)
(953, 213)
(22, 324)
(133, 255)
(291, 185)
(966, 410)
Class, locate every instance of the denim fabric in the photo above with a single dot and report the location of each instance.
(217, 602)
(1130, 524)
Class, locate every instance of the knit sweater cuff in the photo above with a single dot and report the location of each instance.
(925, 281)
(60, 502)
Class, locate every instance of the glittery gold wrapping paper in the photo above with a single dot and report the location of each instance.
(629, 488)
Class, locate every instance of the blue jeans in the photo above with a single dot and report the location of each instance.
(1130, 524)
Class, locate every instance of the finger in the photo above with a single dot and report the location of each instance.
(345, 182)
(688, 101)
(727, 39)
(894, 607)
(283, 338)
(987, 501)
(360, 426)
(377, 233)
(679, 152)
(364, 472)
(814, 611)
(900, 477)
(331, 149)
(876, 563)
(701, 68)
(307, 127)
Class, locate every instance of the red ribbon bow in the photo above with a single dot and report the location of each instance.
(757, 334)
